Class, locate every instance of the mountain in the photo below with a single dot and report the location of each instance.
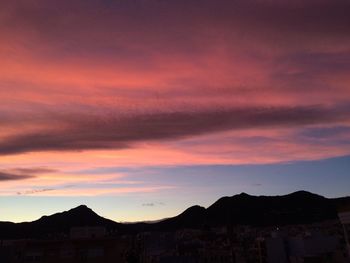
(297, 208)
(56, 224)
(190, 218)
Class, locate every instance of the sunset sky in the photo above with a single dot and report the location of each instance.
(142, 108)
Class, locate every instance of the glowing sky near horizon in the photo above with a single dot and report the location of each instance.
(134, 103)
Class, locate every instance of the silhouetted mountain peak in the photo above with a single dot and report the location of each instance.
(226, 200)
(304, 194)
(242, 195)
(191, 217)
(81, 209)
(78, 216)
(59, 223)
(194, 209)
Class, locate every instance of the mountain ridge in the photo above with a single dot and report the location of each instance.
(299, 207)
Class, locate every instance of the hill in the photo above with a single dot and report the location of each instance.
(56, 224)
(296, 208)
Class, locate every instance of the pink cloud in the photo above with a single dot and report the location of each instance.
(87, 84)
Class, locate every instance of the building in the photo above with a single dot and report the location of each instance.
(344, 218)
(87, 232)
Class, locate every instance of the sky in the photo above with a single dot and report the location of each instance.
(140, 109)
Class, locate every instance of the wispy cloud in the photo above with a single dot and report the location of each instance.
(153, 204)
(35, 191)
(7, 176)
(110, 191)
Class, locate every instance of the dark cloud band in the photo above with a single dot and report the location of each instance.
(91, 132)
(8, 176)
(23, 173)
